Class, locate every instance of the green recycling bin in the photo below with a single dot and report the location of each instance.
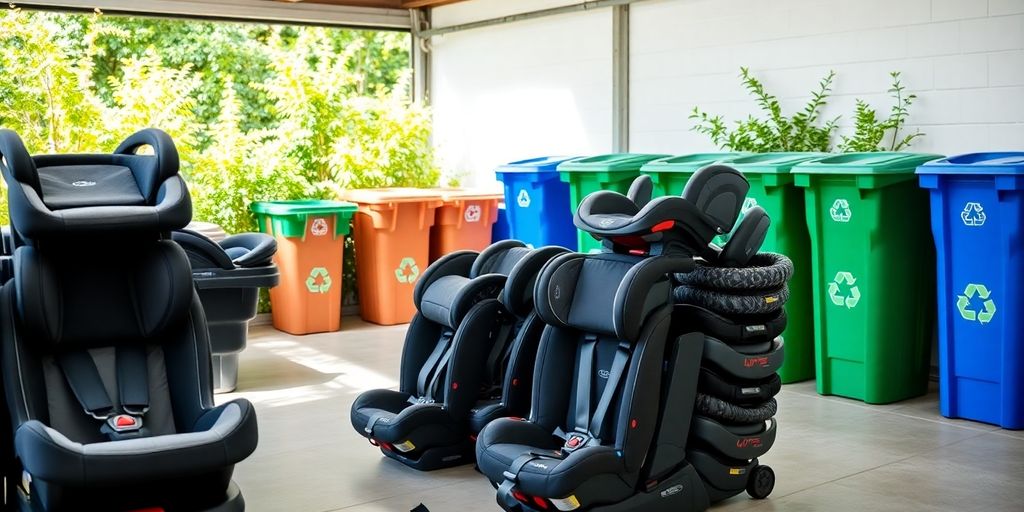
(670, 174)
(772, 188)
(873, 273)
(614, 171)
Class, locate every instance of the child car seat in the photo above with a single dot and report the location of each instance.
(228, 275)
(615, 380)
(466, 358)
(105, 353)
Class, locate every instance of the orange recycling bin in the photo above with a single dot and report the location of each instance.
(392, 238)
(310, 242)
(463, 221)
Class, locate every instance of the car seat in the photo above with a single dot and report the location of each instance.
(467, 357)
(105, 351)
(228, 275)
(616, 373)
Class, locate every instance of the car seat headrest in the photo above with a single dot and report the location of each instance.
(499, 258)
(667, 225)
(123, 191)
(609, 294)
(449, 298)
(518, 293)
(140, 291)
(202, 251)
(746, 239)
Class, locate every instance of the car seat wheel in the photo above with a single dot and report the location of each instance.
(761, 482)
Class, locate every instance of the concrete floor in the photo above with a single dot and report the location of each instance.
(831, 454)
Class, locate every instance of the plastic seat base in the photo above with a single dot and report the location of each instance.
(233, 502)
(437, 458)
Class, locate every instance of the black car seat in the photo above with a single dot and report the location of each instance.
(466, 359)
(615, 379)
(105, 352)
(228, 275)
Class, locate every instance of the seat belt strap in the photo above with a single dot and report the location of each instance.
(132, 379)
(496, 359)
(84, 379)
(584, 383)
(439, 376)
(622, 355)
(423, 379)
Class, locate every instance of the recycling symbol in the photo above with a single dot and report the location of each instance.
(973, 214)
(319, 281)
(407, 271)
(748, 203)
(963, 303)
(523, 199)
(318, 227)
(473, 213)
(841, 210)
(852, 297)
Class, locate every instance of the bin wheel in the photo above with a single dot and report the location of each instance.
(761, 482)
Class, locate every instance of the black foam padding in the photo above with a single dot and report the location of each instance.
(738, 391)
(745, 329)
(725, 412)
(746, 239)
(751, 303)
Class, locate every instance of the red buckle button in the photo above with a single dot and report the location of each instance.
(573, 442)
(125, 421)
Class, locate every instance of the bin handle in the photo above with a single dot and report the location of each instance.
(378, 217)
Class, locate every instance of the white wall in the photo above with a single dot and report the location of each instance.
(963, 58)
(531, 88)
(544, 86)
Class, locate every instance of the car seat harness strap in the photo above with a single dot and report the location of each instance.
(501, 351)
(431, 366)
(82, 376)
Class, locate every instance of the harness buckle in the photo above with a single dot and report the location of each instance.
(574, 441)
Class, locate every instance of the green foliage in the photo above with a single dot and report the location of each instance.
(258, 111)
(775, 132)
(805, 130)
(869, 131)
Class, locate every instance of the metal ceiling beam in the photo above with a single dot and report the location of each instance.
(250, 10)
(542, 13)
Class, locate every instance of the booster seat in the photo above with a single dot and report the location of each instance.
(228, 275)
(616, 373)
(105, 352)
(467, 358)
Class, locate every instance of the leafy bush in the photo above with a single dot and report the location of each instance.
(805, 130)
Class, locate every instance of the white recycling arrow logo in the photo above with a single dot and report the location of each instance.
(840, 210)
(852, 297)
(973, 214)
(523, 199)
(473, 213)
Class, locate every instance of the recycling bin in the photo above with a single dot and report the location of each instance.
(501, 230)
(539, 212)
(670, 174)
(463, 221)
(614, 171)
(392, 243)
(977, 209)
(772, 188)
(310, 243)
(872, 262)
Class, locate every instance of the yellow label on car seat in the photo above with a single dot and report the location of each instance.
(570, 503)
(405, 447)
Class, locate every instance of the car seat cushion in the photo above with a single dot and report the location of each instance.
(518, 293)
(448, 299)
(551, 475)
(397, 419)
(485, 412)
(230, 436)
(74, 186)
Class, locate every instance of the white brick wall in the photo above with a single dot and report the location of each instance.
(544, 86)
(963, 58)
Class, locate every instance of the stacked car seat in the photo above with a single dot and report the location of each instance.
(735, 299)
(468, 357)
(103, 341)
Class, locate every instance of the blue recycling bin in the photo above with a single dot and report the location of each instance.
(539, 212)
(500, 230)
(977, 205)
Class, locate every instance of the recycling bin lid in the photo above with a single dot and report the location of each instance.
(884, 162)
(390, 195)
(468, 194)
(688, 163)
(1002, 163)
(302, 207)
(611, 162)
(538, 165)
(773, 163)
